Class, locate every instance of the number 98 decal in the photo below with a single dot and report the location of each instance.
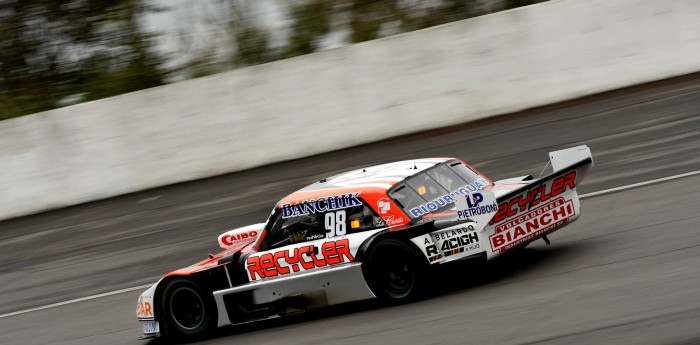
(335, 223)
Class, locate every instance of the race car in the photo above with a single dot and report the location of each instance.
(370, 233)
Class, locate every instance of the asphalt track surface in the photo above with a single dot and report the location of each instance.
(628, 272)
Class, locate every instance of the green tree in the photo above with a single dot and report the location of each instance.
(30, 78)
(311, 23)
(368, 16)
(128, 61)
(519, 3)
(440, 12)
(54, 52)
(252, 46)
(251, 41)
(235, 23)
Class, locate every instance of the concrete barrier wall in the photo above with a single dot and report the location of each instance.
(432, 78)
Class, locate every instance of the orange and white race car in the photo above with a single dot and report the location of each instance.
(369, 233)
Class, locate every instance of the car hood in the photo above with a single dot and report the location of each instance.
(208, 263)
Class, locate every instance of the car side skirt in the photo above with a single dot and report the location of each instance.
(335, 284)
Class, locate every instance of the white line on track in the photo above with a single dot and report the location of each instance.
(635, 185)
(81, 299)
(582, 196)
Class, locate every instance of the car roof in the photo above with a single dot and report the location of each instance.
(377, 179)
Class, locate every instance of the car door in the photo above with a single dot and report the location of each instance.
(302, 243)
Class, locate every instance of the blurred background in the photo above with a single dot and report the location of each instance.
(98, 199)
(55, 53)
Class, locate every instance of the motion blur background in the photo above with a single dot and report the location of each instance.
(59, 53)
(103, 192)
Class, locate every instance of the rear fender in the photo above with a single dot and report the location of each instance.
(404, 235)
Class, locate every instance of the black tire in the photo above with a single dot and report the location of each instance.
(394, 273)
(189, 312)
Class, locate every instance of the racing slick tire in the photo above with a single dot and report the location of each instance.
(394, 273)
(189, 312)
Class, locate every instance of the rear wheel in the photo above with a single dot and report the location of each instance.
(188, 310)
(393, 272)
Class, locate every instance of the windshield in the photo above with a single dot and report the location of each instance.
(435, 189)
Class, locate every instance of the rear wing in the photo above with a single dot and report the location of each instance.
(575, 159)
(543, 205)
(578, 156)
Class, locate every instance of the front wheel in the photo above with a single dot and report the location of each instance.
(189, 312)
(393, 272)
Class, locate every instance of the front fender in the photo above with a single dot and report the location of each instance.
(145, 307)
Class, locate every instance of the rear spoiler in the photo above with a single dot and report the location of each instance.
(570, 158)
(577, 158)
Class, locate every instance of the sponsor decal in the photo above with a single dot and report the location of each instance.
(320, 205)
(531, 224)
(426, 244)
(379, 221)
(431, 251)
(448, 199)
(291, 260)
(474, 207)
(457, 240)
(393, 220)
(229, 240)
(462, 240)
(315, 237)
(383, 205)
(144, 309)
(478, 207)
(534, 197)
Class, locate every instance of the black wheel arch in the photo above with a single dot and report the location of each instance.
(403, 235)
(208, 281)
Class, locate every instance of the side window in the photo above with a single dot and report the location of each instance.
(285, 231)
(362, 218)
(315, 226)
